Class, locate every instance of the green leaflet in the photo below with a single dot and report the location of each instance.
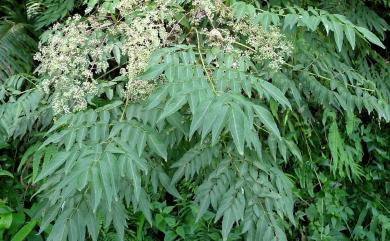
(290, 20)
(158, 146)
(200, 116)
(117, 54)
(236, 127)
(370, 37)
(152, 72)
(51, 166)
(275, 93)
(338, 34)
(24, 231)
(239, 10)
(350, 34)
(5, 173)
(266, 118)
(172, 106)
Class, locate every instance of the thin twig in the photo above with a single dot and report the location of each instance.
(329, 79)
(245, 46)
(203, 65)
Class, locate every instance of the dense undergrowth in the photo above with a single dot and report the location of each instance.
(194, 120)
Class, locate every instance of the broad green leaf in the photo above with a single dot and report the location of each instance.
(112, 148)
(157, 97)
(177, 121)
(144, 205)
(73, 229)
(81, 134)
(294, 149)
(106, 174)
(91, 222)
(27, 154)
(310, 22)
(141, 143)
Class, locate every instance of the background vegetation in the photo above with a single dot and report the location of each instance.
(194, 120)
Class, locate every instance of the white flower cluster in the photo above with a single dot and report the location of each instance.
(202, 9)
(78, 51)
(223, 39)
(69, 59)
(138, 90)
(246, 38)
(128, 6)
(143, 36)
(271, 46)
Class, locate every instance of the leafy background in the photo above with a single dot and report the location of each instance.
(306, 161)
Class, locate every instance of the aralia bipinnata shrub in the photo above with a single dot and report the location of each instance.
(146, 96)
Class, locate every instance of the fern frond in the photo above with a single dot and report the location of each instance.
(345, 159)
(17, 44)
(52, 11)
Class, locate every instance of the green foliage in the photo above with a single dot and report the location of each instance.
(17, 40)
(50, 11)
(230, 120)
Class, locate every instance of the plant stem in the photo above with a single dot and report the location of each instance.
(203, 65)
